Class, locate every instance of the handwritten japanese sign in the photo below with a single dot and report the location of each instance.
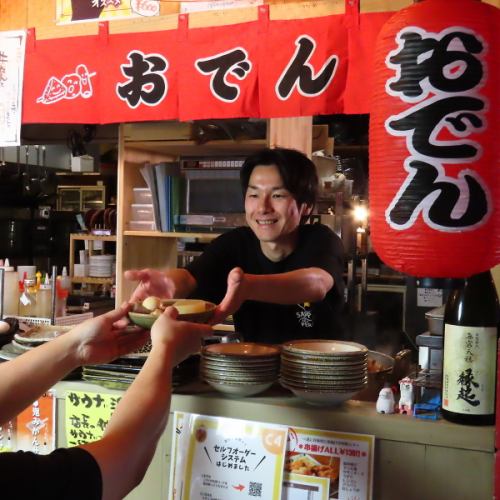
(87, 414)
(223, 458)
(345, 459)
(12, 45)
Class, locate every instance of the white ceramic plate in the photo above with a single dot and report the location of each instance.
(240, 390)
(320, 398)
(241, 349)
(324, 346)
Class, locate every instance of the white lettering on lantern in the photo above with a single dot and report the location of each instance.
(441, 74)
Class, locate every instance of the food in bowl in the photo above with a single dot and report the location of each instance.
(145, 314)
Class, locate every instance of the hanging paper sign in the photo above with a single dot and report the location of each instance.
(64, 80)
(345, 459)
(303, 67)
(73, 11)
(35, 426)
(434, 183)
(12, 50)
(225, 458)
(87, 415)
(222, 65)
(139, 78)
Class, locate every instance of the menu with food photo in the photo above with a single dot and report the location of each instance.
(344, 459)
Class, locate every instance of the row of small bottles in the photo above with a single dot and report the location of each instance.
(32, 296)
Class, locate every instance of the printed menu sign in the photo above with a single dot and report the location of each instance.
(216, 458)
(74, 11)
(345, 459)
(33, 429)
(12, 45)
(87, 415)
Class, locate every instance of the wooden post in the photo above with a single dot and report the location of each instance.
(294, 133)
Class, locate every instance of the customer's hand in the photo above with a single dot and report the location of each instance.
(104, 338)
(235, 296)
(151, 282)
(181, 338)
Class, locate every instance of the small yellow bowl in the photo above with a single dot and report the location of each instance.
(146, 320)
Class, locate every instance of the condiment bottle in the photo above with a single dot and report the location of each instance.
(44, 299)
(471, 322)
(27, 299)
(11, 290)
(63, 286)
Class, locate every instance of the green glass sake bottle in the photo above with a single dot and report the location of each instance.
(471, 321)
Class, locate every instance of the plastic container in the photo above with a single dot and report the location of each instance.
(27, 299)
(138, 225)
(142, 196)
(142, 212)
(44, 299)
(11, 290)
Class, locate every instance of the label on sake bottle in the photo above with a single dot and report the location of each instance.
(469, 369)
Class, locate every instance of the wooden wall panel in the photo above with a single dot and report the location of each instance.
(13, 14)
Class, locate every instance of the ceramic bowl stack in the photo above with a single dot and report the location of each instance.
(324, 372)
(101, 266)
(240, 369)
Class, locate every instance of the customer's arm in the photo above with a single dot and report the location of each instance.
(302, 285)
(130, 439)
(97, 340)
(171, 283)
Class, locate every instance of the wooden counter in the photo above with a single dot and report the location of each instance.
(414, 459)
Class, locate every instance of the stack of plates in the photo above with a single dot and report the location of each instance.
(120, 373)
(38, 335)
(31, 338)
(101, 266)
(240, 369)
(324, 372)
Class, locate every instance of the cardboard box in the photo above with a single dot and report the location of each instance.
(83, 163)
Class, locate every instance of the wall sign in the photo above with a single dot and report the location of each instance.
(12, 50)
(434, 184)
(261, 68)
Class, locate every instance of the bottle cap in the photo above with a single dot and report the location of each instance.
(6, 266)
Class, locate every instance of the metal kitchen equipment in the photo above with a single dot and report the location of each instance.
(430, 360)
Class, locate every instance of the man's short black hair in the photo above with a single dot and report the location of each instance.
(296, 169)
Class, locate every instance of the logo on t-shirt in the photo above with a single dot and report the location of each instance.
(304, 315)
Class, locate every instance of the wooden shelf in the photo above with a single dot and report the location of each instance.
(92, 281)
(179, 148)
(161, 234)
(91, 237)
(350, 148)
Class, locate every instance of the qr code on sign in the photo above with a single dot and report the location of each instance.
(255, 489)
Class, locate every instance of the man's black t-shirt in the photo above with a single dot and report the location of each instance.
(317, 246)
(64, 474)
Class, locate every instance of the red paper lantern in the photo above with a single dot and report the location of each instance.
(434, 176)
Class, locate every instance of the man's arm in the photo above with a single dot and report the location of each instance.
(98, 340)
(130, 439)
(302, 285)
(168, 284)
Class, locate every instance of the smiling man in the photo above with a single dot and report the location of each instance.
(279, 277)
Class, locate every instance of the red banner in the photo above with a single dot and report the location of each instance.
(255, 69)
(61, 80)
(139, 77)
(303, 67)
(219, 71)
